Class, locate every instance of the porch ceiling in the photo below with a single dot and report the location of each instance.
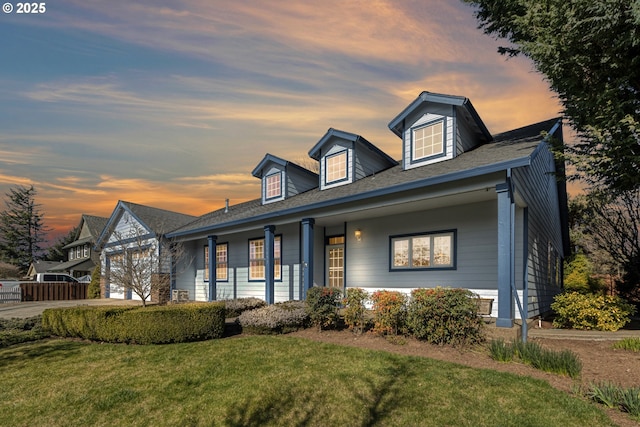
(406, 205)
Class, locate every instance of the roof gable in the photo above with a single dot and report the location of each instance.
(155, 220)
(281, 179)
(332, 135)
(345, 157)
(460, 103)
(94, 224)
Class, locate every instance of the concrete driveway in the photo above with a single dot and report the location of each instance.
(33, 308)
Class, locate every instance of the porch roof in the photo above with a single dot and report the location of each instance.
(508, 150)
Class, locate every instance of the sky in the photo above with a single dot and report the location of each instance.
(172, 104)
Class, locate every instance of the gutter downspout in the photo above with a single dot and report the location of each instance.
(525, 267)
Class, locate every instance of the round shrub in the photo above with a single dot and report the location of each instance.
(590, 311)
(279, 318)
(322, 306)
(445, 316)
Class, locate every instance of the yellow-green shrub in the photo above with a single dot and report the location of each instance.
(591, 311)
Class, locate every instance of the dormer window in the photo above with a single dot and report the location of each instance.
(336, 167)
(273, 186)
(428, 140)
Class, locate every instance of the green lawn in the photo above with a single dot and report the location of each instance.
(265, 380)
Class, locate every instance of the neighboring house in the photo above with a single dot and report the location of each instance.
(463, 209)
(40, 266)
(82, 257)
(136, 233)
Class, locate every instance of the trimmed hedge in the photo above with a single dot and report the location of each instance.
(138, 325)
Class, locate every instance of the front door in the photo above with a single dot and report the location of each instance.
(334, 253)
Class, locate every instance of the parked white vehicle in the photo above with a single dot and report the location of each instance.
(55, 277)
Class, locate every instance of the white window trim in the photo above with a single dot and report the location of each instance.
(344, 153)
(277, 260)
(266, 186)
(412, 148)
(222, 265)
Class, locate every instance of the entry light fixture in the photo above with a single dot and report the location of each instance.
(358, 234)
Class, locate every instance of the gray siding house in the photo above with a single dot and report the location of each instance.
(82, 257)
(462, 208)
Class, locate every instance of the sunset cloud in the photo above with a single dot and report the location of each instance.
(172, 104)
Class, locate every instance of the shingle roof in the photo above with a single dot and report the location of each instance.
(508, 149)
(160, 221)
(95, 224)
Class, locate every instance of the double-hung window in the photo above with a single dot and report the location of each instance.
(257, 258)
(428, 140)
(336, 167)
(222, 262)
(423, 251)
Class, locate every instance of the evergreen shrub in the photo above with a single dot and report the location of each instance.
(93, 290)
(445, 316)
(355, 309)
(16, 331)
(322, 304)
(579, 277)
(591, 311)
(279, 318)
(139, 325)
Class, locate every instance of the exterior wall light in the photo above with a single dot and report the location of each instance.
(358, 235)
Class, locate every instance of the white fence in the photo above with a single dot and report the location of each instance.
(13, 294)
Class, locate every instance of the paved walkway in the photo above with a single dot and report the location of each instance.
(34, 308)
(572, 334)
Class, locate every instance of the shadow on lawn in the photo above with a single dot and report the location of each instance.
(371, 401)
(50, 349)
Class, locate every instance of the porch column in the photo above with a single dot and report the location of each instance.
(505, 230)
(269, 264)
(307, 255)
(107, 276)
(212, 267)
